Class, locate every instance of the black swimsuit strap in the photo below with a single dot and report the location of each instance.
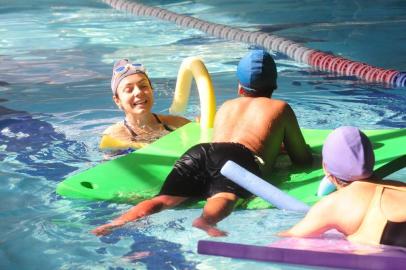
(163, 124)
(394, 234)
(133, 134)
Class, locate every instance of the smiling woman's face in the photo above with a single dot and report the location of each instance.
(134, 94)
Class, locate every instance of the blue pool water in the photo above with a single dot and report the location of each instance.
(55, 68)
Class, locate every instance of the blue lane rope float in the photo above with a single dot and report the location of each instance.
(315, 58)
(261, 188)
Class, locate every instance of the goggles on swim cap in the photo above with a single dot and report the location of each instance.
(130, 66)
(122, 69)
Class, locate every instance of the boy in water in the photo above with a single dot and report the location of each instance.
(250, 126)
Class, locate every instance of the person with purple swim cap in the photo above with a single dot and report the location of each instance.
(366, 209)
(133, 94)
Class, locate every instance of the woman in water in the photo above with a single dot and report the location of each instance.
(365, 208)
(132, 93)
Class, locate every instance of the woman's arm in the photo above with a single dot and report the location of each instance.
(318, 220)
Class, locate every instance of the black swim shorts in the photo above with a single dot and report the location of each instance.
(197, 172)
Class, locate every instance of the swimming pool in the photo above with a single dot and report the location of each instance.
(56, 59)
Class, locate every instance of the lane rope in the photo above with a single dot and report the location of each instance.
(315, 58)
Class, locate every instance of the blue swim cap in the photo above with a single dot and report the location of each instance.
(257, 73)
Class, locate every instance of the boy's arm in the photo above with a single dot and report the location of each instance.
(294, 142)
(144, 208)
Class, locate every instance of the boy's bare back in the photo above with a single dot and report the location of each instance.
(261, 124)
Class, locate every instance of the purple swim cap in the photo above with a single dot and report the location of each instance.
(123, 68)
(347, 155)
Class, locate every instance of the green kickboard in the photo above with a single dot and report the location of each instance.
(139, 175)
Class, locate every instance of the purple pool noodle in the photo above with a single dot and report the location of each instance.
(389, 260)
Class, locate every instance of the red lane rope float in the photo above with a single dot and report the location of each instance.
(318, 59)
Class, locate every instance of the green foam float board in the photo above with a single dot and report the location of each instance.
(136, 176)
(139, 175)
